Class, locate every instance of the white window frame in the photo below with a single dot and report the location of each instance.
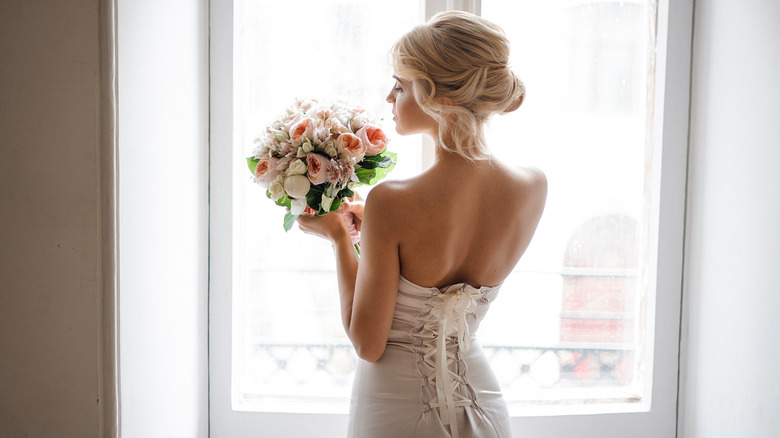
(670, 136)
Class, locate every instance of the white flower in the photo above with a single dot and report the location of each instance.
(276, 188)
(358, 121)
(297, 186)
(297, 167)
(304, 149)
(342, 115)
(261, 150)
(306, 104)
(322, 133)
(326, 203)
(280, 135)
(297, 206)
(331, 149)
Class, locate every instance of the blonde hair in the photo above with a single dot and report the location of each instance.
(458, 64)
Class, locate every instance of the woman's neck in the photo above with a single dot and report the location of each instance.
(447, 157)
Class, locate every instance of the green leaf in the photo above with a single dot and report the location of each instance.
(368, 164)
(383, 170)
(289, 220)
(314, 197)
(381, 160)
(373, 169)
(284, 201)
(336, 204)
(374, 157)
(252, 163)
(346, 193)
(392, 155)
(365, 175)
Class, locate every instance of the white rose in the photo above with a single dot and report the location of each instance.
(325, 144)
(358, 121)
(331, 149)
(297, 186)
(276, 188)
(297, 167)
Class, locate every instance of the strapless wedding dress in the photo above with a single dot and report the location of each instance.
(433, 380)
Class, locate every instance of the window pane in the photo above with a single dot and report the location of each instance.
(290, 350)
(570, 321)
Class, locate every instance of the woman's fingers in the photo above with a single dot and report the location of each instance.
(328, 226)
(354, 212)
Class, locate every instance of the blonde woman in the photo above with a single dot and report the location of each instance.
(436, 247)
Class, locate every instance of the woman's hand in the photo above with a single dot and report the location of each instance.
(347, 219)
(330, 226)
(352, 214)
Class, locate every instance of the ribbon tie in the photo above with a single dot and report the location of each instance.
(456, 303)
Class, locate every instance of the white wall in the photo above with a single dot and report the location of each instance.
(163, 217)
(731, 351)
(49, 256)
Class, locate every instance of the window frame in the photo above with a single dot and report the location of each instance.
(670, 109)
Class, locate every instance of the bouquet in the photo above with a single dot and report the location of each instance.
(310, 158)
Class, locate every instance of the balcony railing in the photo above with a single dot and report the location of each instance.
(325, 371)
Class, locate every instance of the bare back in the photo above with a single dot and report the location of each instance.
(465, 222)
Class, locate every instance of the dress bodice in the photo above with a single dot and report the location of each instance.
(438, 325)
(419, 312)
(433, 380)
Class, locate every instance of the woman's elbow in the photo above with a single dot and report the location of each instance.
(370, 352)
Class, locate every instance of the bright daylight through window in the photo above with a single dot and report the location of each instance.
(570, 322)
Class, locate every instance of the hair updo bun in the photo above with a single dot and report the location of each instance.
(458, 64)
(516, 96)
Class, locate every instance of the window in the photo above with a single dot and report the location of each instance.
(576, 322)
(292, 353)
(576, 299)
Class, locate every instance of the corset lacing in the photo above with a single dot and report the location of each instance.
(450, 308)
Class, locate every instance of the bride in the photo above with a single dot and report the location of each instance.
(435, 248)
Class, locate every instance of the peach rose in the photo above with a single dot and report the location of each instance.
(349, 145)
(266, 171)
(287, 123)
(302, 129)
(374, 138)
(318, 167)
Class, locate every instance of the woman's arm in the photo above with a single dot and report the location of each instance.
(367, 290)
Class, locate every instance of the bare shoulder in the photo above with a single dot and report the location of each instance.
(530, 182)
(385, 200)
(533, 177)
(387, 193)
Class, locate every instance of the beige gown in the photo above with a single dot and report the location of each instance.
(426, 384)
